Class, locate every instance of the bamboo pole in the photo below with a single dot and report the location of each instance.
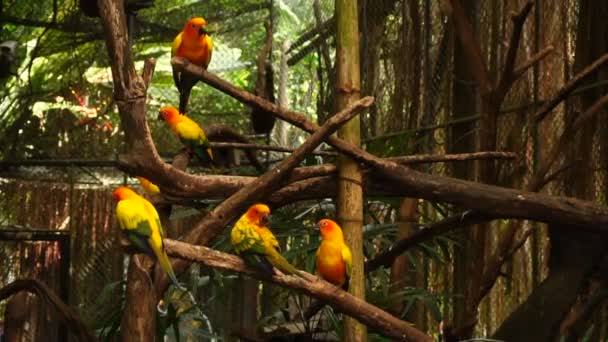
(350, 195)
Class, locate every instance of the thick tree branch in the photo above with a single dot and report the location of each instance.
(569, 87)
(65, 313)
(492, 200)
(465, 33)
(381, 321)
(213, 223)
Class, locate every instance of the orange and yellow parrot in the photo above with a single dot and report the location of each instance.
(188, 132)
(149, 187)
(334, 259)
(194, 44)
(139, 220)
(256, 244)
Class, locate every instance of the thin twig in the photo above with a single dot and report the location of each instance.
(265, 148)
(537, 57)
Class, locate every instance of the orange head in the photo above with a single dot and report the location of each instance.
(169, 114)
(196, 27)
(123, 193)
(259, 214)
(330, 230)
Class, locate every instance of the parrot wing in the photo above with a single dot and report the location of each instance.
(193, 136)
(133, 221)
(207, 60)
(272, 251)
(348, 262)
(269, 238)
(245, 238)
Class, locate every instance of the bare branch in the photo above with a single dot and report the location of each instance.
(569, 87)
(213, 223)
(438, 158)
(492, 200)
(65, 313)
(265, 148)
(366, 313)
(477, 63)
(537, 57)
(449, 224)
(507, 78)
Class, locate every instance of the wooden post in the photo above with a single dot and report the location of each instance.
(350, 196)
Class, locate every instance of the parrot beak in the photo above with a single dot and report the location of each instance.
(160, 117)
(265, 220)
(202, 31)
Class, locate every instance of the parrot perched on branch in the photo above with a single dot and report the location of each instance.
(139, 220)
(334, 259)
(256, 244)
(194, 44)
(149, 187)
(188, 132)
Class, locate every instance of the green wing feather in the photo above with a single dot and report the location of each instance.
(140, 221)
(193, 136)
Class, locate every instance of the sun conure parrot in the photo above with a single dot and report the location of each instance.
(188, 132)
(149, 187)
(256, 244)
(334, 259)
(194, 44)
(139, 220)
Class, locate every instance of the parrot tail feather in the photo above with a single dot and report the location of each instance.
(165, 264)
(184, 97)
(281, 263)
(203, 154)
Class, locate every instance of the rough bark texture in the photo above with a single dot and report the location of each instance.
(381, 321)
(494, 200)
(573, 256)
(349, 208)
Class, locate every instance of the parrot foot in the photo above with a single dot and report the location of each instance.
(159, 308)
(465, 213)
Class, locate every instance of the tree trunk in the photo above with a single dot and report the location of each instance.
(573, 255)
(461, 140)
(350, 195)
(399, 269)
(139, 317)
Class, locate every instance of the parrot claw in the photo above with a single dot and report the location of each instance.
(465, 213)
(159, 308)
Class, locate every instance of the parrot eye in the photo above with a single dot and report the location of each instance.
(193, 26)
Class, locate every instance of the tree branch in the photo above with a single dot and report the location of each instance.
(465, 33)
(507, 78)
(265, 148)
(381, 321)
(444, 226)
(65, 313)
(213, 223)
(569, 87)
(492, 200)
(537, 57)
